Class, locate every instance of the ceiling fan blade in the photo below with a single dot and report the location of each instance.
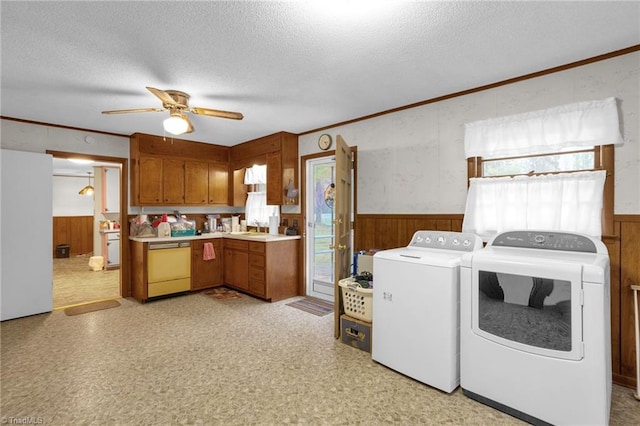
(165, 97)
(190, 128)
(126, 111)
(217, 113)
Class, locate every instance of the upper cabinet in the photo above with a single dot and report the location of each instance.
(110, 189)
(178, 172)
(170, 172)
(280, 153)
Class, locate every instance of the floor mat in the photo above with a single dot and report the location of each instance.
(91, 307)
(313, 306)
(222, 293)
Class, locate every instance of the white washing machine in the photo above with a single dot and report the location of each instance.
(535, 327)
(415, 306)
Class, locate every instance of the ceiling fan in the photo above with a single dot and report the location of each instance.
(177, 103)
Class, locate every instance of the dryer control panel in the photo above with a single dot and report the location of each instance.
(443, 240)
(562, 241)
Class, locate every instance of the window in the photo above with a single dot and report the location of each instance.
(535, 164)
(550, 169)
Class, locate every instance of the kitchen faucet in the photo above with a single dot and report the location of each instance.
(257, 225)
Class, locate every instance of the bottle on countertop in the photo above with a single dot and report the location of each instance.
(164, 229)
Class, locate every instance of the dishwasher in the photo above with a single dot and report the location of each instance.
(169, 268)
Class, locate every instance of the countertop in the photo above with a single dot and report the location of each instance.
(251, 236)
(109, 231)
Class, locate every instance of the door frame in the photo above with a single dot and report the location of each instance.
(125, 282)
(303, 202)
(310, 277)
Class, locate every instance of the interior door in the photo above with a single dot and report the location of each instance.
(342, 224)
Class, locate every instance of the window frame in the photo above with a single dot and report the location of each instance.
(603, 160)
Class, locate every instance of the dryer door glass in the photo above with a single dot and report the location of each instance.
(538, 312)
(530, 310)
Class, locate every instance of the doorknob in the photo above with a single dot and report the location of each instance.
(341, 246)
(338, 221)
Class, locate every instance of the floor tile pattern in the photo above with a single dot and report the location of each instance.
(197, 360)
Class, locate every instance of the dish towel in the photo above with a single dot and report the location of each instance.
(209, 252)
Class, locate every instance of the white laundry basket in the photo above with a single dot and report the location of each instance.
(357, 301)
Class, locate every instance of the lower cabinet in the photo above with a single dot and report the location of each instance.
(110, 244)
(236, 264)
(206, 273)
(268, 270)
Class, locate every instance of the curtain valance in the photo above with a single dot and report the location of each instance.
(575, 126)
(255, 175)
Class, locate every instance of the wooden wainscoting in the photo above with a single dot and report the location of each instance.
(625, 269)
(378, 231)
(77, 231)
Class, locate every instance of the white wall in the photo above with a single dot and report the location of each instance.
(413, 162)
(67, 201)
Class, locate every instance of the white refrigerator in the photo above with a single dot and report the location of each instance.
(26, 234)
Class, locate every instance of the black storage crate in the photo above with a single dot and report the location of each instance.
(62, 250)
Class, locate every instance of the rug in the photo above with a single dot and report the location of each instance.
(223, 293)
(91, 307)
(313, 306)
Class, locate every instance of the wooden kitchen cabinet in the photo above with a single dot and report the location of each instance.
(270, 268)
(172, 181)
(280, 153)
(236, 264)
(257, 274)
(178, 172)
(219, 184)
(206, 273)
(150, 180)
(275, 187)
(206, 183)
(161, 180)
(196, 182)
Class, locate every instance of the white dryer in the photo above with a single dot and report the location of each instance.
(535, 327)
(415, 306)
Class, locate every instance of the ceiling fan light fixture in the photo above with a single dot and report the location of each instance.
(176, 124)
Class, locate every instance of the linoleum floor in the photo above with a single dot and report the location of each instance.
(74, 282)
(199, 360)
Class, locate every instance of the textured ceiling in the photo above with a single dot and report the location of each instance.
(293, 66)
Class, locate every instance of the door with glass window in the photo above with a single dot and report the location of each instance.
(320, 227)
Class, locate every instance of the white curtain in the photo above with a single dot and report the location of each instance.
(255, 175)
(257, 211)
(570, 202)
(573, 126)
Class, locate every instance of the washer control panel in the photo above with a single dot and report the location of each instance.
(443, 240)
(562, 241)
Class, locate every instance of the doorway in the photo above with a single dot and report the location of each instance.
(80, 277)
(320, 186)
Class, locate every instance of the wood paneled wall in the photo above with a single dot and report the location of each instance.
(77, 231)
(374, 231)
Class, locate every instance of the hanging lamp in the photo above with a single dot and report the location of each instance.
(87, 190)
